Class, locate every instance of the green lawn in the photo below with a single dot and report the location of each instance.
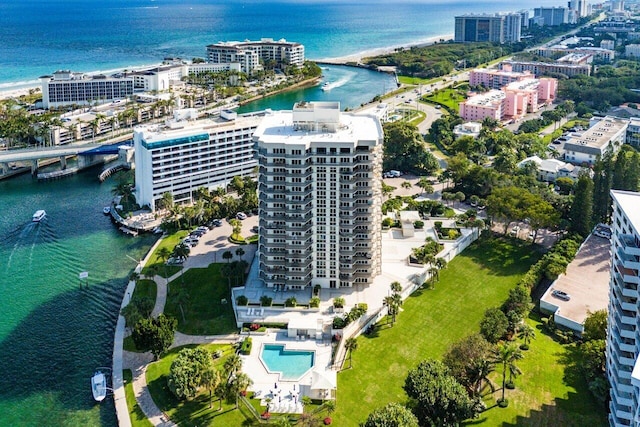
(145, 288)
(431, 320)
(447, 97)
(154, 260)
(204, 314)
(408, 80)
(195, 412)
(138, 419)
(550, 392)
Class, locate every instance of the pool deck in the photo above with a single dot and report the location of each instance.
(285, 398)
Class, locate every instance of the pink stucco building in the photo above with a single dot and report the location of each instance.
(512, 102)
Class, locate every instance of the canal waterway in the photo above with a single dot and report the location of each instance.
(351, 86)
(53, 334)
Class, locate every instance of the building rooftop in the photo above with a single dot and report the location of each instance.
(184, 128)
(525, 84)
(488, 98)
(318, 122)
(586, 281)
(597, 136)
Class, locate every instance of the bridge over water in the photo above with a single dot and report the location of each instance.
(87, 154)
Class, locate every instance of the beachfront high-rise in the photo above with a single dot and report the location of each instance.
(497, 28)
(320, 197)
(623, 335)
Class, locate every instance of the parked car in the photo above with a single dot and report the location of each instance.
(255, 229)
(241, 215)
(216, 222)
(515, 230)
(561, 295)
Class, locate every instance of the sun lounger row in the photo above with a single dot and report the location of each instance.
(255, 312)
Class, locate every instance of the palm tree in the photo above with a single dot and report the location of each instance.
(425, 185)
(392, 308)
(406, 184)
(239, 383)
(134, 276)
(227, 255)
(396, 287)
(506, 354)
(240, 252)
(441, 263)
(182, 298)
(478, 372)
(182, 251)
(306, 401)
(526, 333)
(210, 380)
(350, 346)
(164, 253)
(232, 365)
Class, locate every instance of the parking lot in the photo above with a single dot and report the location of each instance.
(215, 242)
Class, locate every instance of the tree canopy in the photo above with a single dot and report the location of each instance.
(405, 150)
(155, 334)
(186, 372)
(391, 415)
(436, 397)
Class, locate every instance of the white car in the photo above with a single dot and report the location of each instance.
(241, 215)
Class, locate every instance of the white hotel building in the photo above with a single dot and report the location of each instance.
(320, 197)
(183, 155)
(67, 88)
(623, 335)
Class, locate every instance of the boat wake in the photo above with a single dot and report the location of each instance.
(333, 85)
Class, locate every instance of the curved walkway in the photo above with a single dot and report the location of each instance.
(138, 362)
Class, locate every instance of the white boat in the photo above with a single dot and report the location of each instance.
(99, 386)
(106, 210)
(326, 86)
(39, 215)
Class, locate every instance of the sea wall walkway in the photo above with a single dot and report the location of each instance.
(119, 397)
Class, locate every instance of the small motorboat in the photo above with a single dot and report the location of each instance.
(99, 386)
(326, 86)
(38, 216)
(106, 210)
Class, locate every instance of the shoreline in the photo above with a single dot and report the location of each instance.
(24, 87)
(358, 56)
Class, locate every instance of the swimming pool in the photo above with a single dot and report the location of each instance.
(291, 364)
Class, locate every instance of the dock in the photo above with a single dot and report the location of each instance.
(129, 231)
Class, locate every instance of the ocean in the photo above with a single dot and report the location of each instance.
(38, 37)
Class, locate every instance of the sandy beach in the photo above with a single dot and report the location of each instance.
(357, 57)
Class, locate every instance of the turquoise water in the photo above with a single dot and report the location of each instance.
(53, 334)
(291, 363)
(352, 87)
(38, 37)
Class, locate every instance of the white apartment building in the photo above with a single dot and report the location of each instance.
(183, 155)
(320, 197)
(163, 78)
(623, 334)
(604, 133)
(69, 88)
(249, 53)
